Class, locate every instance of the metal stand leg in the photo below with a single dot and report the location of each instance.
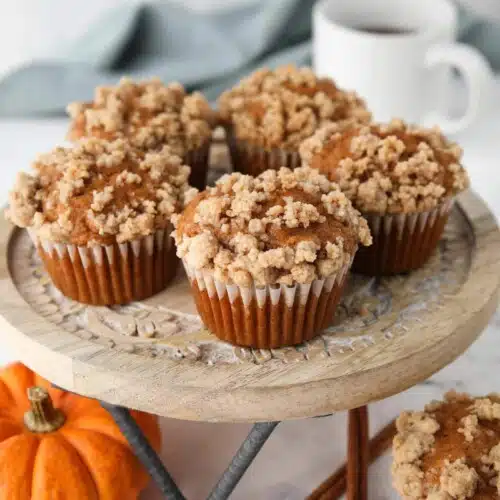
(242, 460)
(144, 451)
(358, 450)
(359, 455)
(151, 461)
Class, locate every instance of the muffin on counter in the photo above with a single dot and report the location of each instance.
(100, 215)
(269, 113)
(150, 114)
(402, 178)
(268, 256)
(450, 451)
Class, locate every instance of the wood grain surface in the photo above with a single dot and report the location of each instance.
(154, 356)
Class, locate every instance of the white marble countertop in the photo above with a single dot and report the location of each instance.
(300, 454)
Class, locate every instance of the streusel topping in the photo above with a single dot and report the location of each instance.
(149, 114)
(450, 451)
(394, 168)
(98, 192)
(282, 227)
(283, 107)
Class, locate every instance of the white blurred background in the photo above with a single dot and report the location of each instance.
(41, 29)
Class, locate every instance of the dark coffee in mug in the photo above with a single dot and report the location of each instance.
(398, 55)
(384, 30)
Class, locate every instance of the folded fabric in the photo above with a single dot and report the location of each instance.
(209, 51)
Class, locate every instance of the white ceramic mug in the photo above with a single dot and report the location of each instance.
(405, 71)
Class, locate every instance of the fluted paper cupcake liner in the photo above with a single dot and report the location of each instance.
(401, 242)
(253, 160)
(198, 160)
(266, 317)
(110, 274)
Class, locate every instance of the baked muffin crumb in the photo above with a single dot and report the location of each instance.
(458, 480)
(148, 113)
(449, 451)
(393, 168)
(470, 427)
(486, 409)
(98, 192)
(280, 108)
(277, 228)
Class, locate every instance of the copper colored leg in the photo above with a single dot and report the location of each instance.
(358, 447)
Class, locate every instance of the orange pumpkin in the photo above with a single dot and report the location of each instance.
(56, 445)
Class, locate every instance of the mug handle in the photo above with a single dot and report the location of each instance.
(478, 78)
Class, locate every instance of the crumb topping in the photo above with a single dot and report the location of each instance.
(458, 480)
(149, 114)
(282, 107)
(98, 192)
(451, 451)
(415, 436)
(282, 227)
(393, 168)
(486, 409)
(470, 427)
(492, 465)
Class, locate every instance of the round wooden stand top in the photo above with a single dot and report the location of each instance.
(155, 356)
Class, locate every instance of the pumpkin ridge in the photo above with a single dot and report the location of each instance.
(84, 462)
(6, 443)
(32, 463)
(12, 425)
(69, 449)
(5, 391)
(6, 414)
(33, 442)
(16, 378)
(97, 431)
(141, 479)
(76, 407)
(97, 427)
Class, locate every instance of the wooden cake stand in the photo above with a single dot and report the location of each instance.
(154, 356)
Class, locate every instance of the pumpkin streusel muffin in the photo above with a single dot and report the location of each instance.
(99, 214)
(150, 114)
(269, 113)
(402, 178)
(268, 256)
(450, 451)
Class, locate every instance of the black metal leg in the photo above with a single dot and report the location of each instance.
(144, 451)
(242, 460)
(151, 461)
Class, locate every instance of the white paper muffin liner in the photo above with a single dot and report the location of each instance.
(250, 159)
(269, 316)
(401, 242)
(110, 274)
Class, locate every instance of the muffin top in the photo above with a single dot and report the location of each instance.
(449, 451)
(98, 192)
(282, 227)
(283, 107)
(149, 114)
(393, 168)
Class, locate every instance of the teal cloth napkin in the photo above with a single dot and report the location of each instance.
(205, 51)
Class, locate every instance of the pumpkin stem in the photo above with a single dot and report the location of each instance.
(42, 416)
